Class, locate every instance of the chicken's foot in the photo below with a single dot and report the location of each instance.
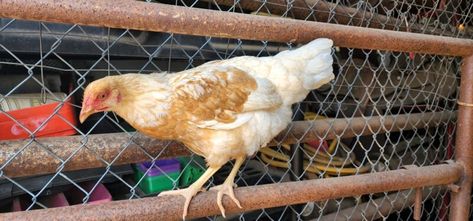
(227, 187)
(189, 192)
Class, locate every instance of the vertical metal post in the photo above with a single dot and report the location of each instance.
(464, 143)
(418, 204)
(297, 156)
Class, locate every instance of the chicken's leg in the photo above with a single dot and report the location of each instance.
(190, 191)
(227, 187)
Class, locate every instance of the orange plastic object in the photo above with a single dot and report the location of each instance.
(33, 117)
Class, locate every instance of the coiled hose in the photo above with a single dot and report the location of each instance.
(318, 162)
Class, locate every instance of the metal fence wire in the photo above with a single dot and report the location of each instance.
(412, 95)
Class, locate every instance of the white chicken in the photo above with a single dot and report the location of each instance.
(221, 110)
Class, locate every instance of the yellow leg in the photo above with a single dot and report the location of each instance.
(193, 189)
(227, 187)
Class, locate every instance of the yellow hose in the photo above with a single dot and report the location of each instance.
(320, 163)
(333, 167)
(320, 156)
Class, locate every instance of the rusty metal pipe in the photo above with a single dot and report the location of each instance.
(380, 207)
(116, 147)
(360, 126)
(193, 21)
(34, 160)
(252, 198)
(324, 11)
(464, 143)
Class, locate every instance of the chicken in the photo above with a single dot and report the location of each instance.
(222, 110)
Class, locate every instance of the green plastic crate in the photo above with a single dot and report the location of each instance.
(191, 172)
(155, 184)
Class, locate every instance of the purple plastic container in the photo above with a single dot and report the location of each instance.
(160, 167)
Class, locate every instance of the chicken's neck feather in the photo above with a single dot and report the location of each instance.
(145, 100)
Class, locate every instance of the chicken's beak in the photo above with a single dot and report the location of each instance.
(85, 113)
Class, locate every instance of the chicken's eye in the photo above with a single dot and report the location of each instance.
(102, 96)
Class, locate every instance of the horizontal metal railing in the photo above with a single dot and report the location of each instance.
(193, 21)
(252, 198)
(117, 148)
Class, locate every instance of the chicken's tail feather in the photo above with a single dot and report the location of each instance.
(316, 60)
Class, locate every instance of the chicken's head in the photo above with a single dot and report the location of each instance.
(100, 95)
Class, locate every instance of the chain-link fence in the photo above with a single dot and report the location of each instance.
(44, 68)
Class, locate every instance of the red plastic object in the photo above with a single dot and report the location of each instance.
(21, 203)
(33, 117)
(317, 145)
(98, 196)
(55, 200)
(18, 205)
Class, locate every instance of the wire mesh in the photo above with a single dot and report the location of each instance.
(48, 63)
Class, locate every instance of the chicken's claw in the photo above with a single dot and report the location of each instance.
(225, 189)
(187, 193)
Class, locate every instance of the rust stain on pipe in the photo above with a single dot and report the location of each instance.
(464, 144)
(251, 198)
(34, 160)
(193, 21)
